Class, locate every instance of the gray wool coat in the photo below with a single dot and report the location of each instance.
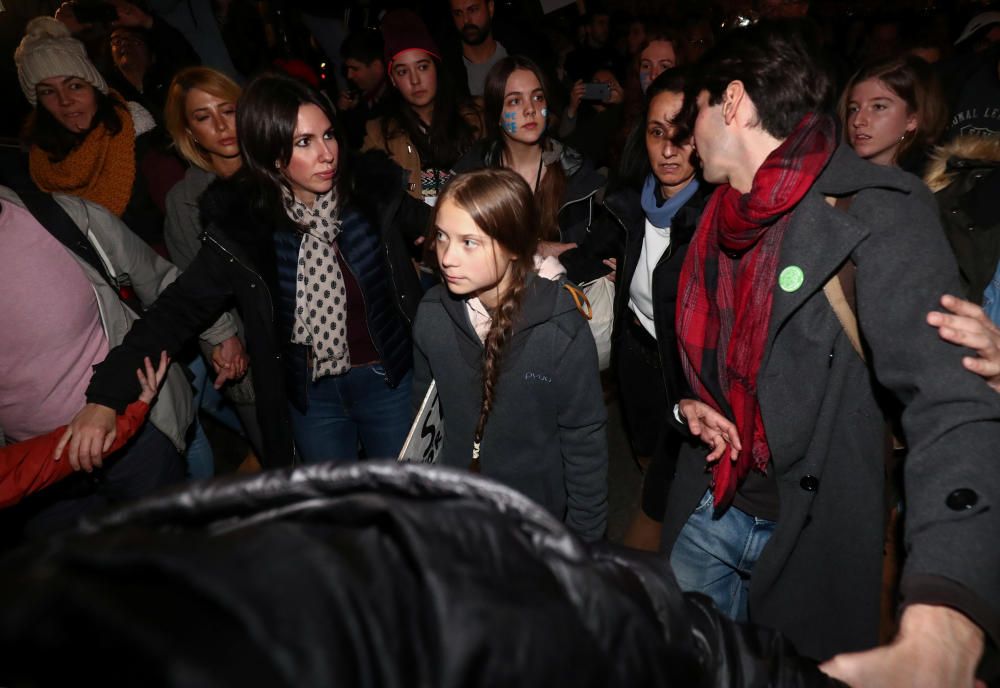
(818, 579)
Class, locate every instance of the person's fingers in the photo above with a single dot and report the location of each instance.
(83, 453)
(74, 452)
(224, 375)
(973, 340)
(962, 307)
(94, 444)
(694, 425)
(63, 441)
(734, 437)
(109, 439)
(981, 366)
(718, 449)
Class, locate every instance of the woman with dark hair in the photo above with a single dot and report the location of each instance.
(84, 139)
(651, 217)
(423, 131)
(893, 112)
(312, 255)
(564, 185)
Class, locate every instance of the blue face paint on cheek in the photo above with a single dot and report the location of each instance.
(545, 112)
(510, 122)
(645, 80)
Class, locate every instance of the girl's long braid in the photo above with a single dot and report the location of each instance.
(497, 339)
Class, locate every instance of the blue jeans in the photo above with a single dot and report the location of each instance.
(356, 406)
(716, 556)
(199, 455)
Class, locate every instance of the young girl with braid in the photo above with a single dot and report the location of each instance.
(513, 358)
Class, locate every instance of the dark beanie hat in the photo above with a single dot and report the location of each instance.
(405, 30)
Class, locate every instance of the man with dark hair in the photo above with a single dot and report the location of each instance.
(787, 528)
(596, 51)
(365, 70)
(480, 50)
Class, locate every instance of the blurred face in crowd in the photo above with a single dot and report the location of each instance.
(671, 163)
(877, 121)
(211, 121)
(699, 39)
(473, 19)
(525, 109)
(636, 37)
(70, 100)
(606, 76)
(599, 29)
(365, 77)
(414, 73)
(656, 58)
(129, 51)
(472, 262)
(313, 166)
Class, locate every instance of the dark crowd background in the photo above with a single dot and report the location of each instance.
(295, 33)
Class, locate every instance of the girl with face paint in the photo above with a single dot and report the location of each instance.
(563, 183)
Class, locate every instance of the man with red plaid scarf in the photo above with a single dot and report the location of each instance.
(780, 518)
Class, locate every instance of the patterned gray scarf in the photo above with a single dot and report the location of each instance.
(320, 296)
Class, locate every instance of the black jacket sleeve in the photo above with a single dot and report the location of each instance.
(606, 239)
(183, 310)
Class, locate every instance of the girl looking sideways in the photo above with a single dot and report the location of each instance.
(514, 361)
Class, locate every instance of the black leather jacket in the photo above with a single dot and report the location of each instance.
(376, 574)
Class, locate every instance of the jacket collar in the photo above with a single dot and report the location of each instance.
(847, 174)
(625, 205)
(541, 303)
(820, 237)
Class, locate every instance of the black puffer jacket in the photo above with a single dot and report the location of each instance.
(370, 575)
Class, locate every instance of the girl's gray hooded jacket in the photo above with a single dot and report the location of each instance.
(545, 436)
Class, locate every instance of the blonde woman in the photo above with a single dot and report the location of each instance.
(200, 116)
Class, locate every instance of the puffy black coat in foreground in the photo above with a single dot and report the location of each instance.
(368, 575)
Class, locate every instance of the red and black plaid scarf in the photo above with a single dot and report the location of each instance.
(726, 290)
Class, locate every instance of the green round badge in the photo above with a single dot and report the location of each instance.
(791, 278)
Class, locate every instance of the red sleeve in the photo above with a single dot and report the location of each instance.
(27, 467)
(128, 424)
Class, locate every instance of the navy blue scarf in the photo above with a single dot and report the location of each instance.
(661, 215)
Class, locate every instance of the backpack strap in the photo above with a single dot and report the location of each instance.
(581, 300)
(60, 225)
(840, 290)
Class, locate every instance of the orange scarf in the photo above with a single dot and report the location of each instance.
(101, 169)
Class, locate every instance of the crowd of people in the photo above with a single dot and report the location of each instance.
(777, 235)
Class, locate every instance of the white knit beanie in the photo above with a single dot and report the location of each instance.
(48, 50)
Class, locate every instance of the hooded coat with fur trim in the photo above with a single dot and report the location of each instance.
(963, 176)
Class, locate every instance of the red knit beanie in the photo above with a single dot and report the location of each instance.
(405, 30)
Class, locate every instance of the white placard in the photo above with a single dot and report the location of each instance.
(423, 443)
(549, 6)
